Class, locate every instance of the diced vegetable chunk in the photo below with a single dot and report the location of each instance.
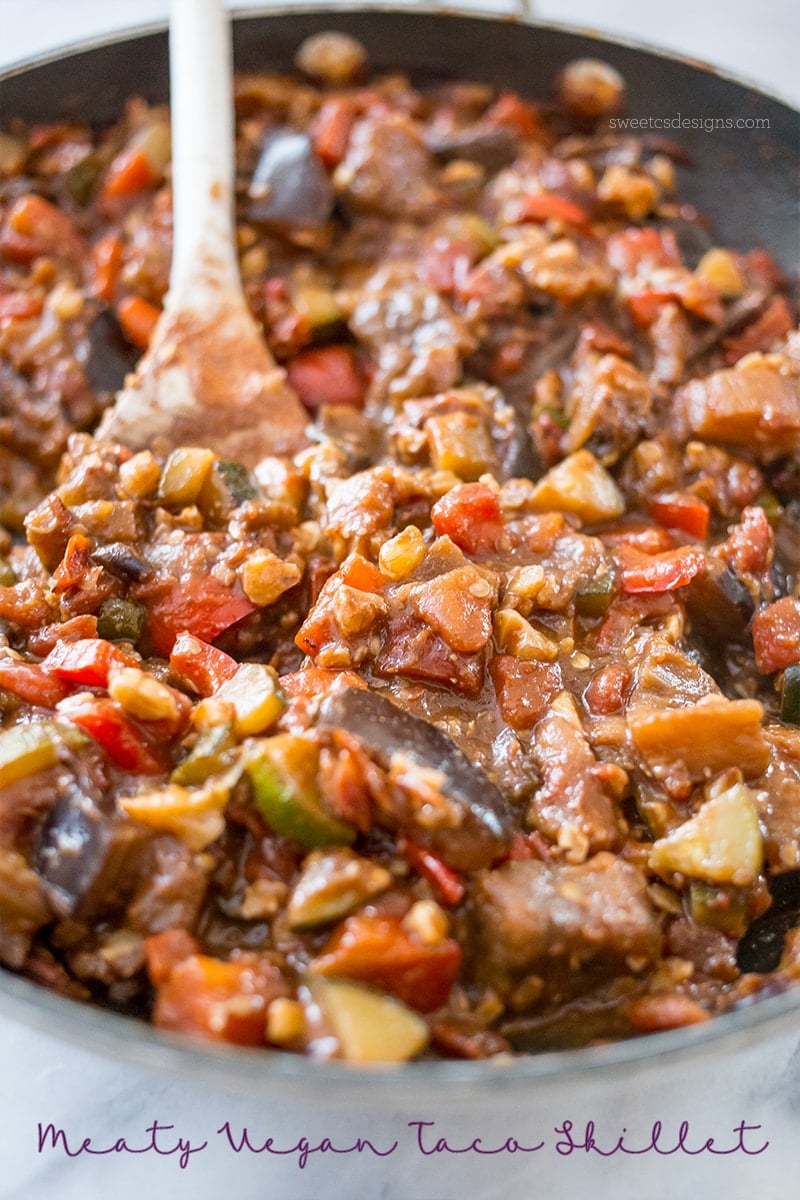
(580, 485)
(370, 1026)
(721, 843)
(283, 771)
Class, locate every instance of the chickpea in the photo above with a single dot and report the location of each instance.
(333, 58)
(590, 89)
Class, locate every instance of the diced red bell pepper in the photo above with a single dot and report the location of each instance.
(654, 573)
(88, 661)
(204, 667)
(125, 743)
(327, 375)
(31, 683)
(470, 515)
(331, 128)
(200, 606)
(377, 949)
(544, 206)
(446, 883)
(776, 635)
(682, 510)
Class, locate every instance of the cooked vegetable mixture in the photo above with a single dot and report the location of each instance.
(473, 729)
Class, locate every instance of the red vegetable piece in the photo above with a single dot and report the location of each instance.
(31, 683)
(446, 883)
(544, 206)
(221, 1001)
(655, 573)
(682, 510)
(123, 740)
(163, 951)
(200, 606)
(327, 375)
(470, 515)
(330, 131)
(204, 667)
(377, 949)
(87, 661)
(776, 635)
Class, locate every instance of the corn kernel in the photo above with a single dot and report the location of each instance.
(139, 476)
(142, 696)
(719, 268)
(286, 1021)
(428, 921)
(402, 554)
(265, 577)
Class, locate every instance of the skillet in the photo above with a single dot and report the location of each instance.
(743, 173)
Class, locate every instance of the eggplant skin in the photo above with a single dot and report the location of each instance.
(385, 732)
(290, 185)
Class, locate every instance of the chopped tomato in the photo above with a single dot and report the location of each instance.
(327, 375)
(524, 689)
(316, 681)
(43, 640)
(123, 740)
(106, 263)
(446, 262)
(358, 572)
(331, 129)
(377, 949)
(776, 635)
(650, 539)
(512, 112)
(637, 251)
(88, 661)
(138, 318)
(544, 206)
(470, 515)
(204, 667)
(200, 606)
(31, 683)
(222, 1001)
(771, 325)
(35, 228)
(131, 172)
(446, 883)
(163, 951)
(655, 573)
(751, 543)
(18, 306)
(682, 510)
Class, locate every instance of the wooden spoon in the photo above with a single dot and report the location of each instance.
(207, 378)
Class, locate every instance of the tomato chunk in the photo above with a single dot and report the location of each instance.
(203, 607)
(654, 573)
(327, 375)
(776, 635)
(470, 515)
(377, 949)
(204, 667)
(88, 661)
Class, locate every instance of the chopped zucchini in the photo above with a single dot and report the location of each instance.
(283, 771)
(720, 844)
(370, 1026)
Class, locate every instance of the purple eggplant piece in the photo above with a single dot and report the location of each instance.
(290, 185)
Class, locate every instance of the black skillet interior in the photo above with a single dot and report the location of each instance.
(744, 178)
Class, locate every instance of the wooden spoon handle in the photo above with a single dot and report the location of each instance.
(201, 72)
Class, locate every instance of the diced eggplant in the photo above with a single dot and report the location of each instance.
(290, 185)
(719, 604)
(82, 854)
(111, 356)
(762, 945)
(483, 825)
(492, 148)
(122, 562)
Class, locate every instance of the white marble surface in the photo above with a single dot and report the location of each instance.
(45, 1080)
